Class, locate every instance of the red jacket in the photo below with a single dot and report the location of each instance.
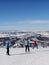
(35, 44)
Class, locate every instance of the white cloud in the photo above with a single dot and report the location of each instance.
(34, 22)
(40, 21)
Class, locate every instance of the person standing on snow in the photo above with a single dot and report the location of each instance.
(27, 45)
(7, 47)
(35, 45)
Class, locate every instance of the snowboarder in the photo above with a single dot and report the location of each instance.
(35, 45)
(27, 45)
(7, 47)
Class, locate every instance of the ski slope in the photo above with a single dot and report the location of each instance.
(19, 57)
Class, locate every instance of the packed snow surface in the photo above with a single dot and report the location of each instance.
(18, 56)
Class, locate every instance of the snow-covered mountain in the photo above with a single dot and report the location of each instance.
(44, 33)
(39, 36)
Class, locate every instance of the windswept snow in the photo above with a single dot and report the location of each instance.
(19, 57)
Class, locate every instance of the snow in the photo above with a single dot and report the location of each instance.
(19, 57)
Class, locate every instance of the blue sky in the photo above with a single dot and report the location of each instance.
(24, 14)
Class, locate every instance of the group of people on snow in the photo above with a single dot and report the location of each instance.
(27, 45)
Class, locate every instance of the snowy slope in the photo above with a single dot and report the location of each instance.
(19, 57)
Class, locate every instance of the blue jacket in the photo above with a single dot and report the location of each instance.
(7, 44)
(26, 42)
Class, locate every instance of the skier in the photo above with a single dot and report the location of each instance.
(7, 47)
(27, 45)
(35, 45)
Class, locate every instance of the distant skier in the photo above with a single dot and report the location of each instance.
(35, 45)
(27, 45)
(7, 47)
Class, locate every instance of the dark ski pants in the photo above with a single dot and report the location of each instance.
(7, 51)
(27, 48)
